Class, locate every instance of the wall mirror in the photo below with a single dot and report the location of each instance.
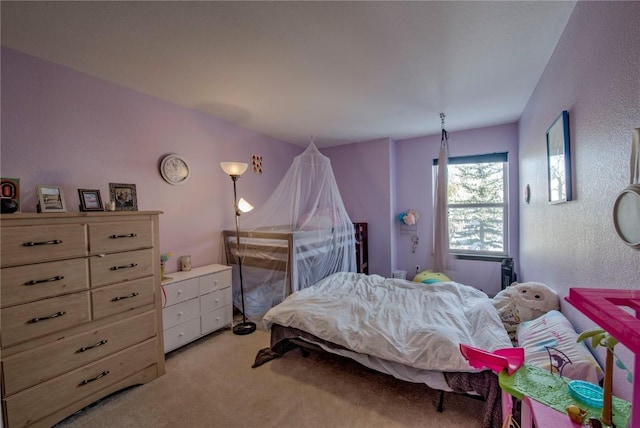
(626, 216)
(559, 160)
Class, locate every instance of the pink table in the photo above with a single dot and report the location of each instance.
(603, 306)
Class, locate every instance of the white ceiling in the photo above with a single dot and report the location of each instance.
(343, 71)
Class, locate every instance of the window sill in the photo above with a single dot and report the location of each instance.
(480, 257)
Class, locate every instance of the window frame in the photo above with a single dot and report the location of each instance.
(497, 157)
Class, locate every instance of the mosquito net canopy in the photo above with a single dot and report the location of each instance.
(301, 234)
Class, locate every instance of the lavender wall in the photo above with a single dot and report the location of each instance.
(414, 172)
(364, 175)
(378, 179)
(594, 73)
(62, 127)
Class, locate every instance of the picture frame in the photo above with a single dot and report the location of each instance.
(559, 160)
(90, 200)
(124, 195)
(50, 199)
(9, 195)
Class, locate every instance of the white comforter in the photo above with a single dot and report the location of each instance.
(420, 325)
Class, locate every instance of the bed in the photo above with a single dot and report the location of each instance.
(409, 330)
(277, 261)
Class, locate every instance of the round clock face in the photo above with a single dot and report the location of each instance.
(174, 169)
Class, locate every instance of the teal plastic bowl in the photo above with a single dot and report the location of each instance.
(586, 393)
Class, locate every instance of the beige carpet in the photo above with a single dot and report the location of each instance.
(210, 383)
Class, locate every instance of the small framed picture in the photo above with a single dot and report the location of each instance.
(90, 200)
(51, 199)
(124, 195)
(10, 195)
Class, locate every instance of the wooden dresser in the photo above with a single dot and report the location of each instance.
(80, 310)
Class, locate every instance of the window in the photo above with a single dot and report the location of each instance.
(477, 201)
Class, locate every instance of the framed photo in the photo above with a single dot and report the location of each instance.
(51, 199)
(124, 195)
(10, 195)
(559, 160)
(90, 200)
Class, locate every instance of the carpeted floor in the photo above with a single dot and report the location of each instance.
(210, 383)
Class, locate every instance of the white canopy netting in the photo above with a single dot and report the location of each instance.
(299, 236)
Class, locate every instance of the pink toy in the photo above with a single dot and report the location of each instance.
(603, 307)
(504, 358)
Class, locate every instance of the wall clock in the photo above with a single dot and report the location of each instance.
(175, 169)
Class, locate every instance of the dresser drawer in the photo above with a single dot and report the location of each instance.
(120, 267)
(46, 398)
(34, 366)
(179, 313)
(120, 236)
(181, 291)
(33, 282)
(24, 322)
(217, 319)
(32, 244)
(215, 281)
(118, 298)
(181, 334)
(215, 300)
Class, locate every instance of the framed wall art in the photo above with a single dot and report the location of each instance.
(10, 195)
(124, 195)
(90, 200)
(559, 160)
(51, 199)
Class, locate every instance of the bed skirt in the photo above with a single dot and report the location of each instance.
(484, 384)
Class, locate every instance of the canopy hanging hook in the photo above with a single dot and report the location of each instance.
(445, 134)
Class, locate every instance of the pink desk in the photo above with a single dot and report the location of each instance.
(603, 306)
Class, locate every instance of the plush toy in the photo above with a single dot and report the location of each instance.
(524, 302)
(430, 277)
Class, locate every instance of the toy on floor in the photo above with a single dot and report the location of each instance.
(524, 301)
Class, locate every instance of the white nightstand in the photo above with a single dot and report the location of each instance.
(196, 303)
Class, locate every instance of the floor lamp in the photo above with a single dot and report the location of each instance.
(235, 170)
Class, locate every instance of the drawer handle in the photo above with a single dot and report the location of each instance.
(86, 348)
(128, 235)
(56, 315)
(134, 294)
(33, 244)
(86, 381)
(130, 265)
(40, 281)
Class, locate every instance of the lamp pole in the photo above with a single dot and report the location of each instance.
(245, 327)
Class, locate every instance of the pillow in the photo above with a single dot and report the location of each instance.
(430, 277)
(550, 342)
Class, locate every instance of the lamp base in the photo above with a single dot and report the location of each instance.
(245, 327)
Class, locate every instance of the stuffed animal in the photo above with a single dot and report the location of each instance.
(430, 277)
(524, 302)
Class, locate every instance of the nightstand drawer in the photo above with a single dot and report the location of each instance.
(34, 366)
(114, 299)
(215, 281)
(21, 245)
(24, 322)
(215, 300)
(181, 334)
(181, 291)
(179, 313)
(120, 267)
(120, 236)
(33, 282)
(216, 319)
(46, 398)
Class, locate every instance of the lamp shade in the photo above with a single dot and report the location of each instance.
(244, 206)
(234, 168)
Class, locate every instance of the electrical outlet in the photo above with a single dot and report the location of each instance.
(417, 268)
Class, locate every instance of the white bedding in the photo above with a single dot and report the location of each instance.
(420, 325)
